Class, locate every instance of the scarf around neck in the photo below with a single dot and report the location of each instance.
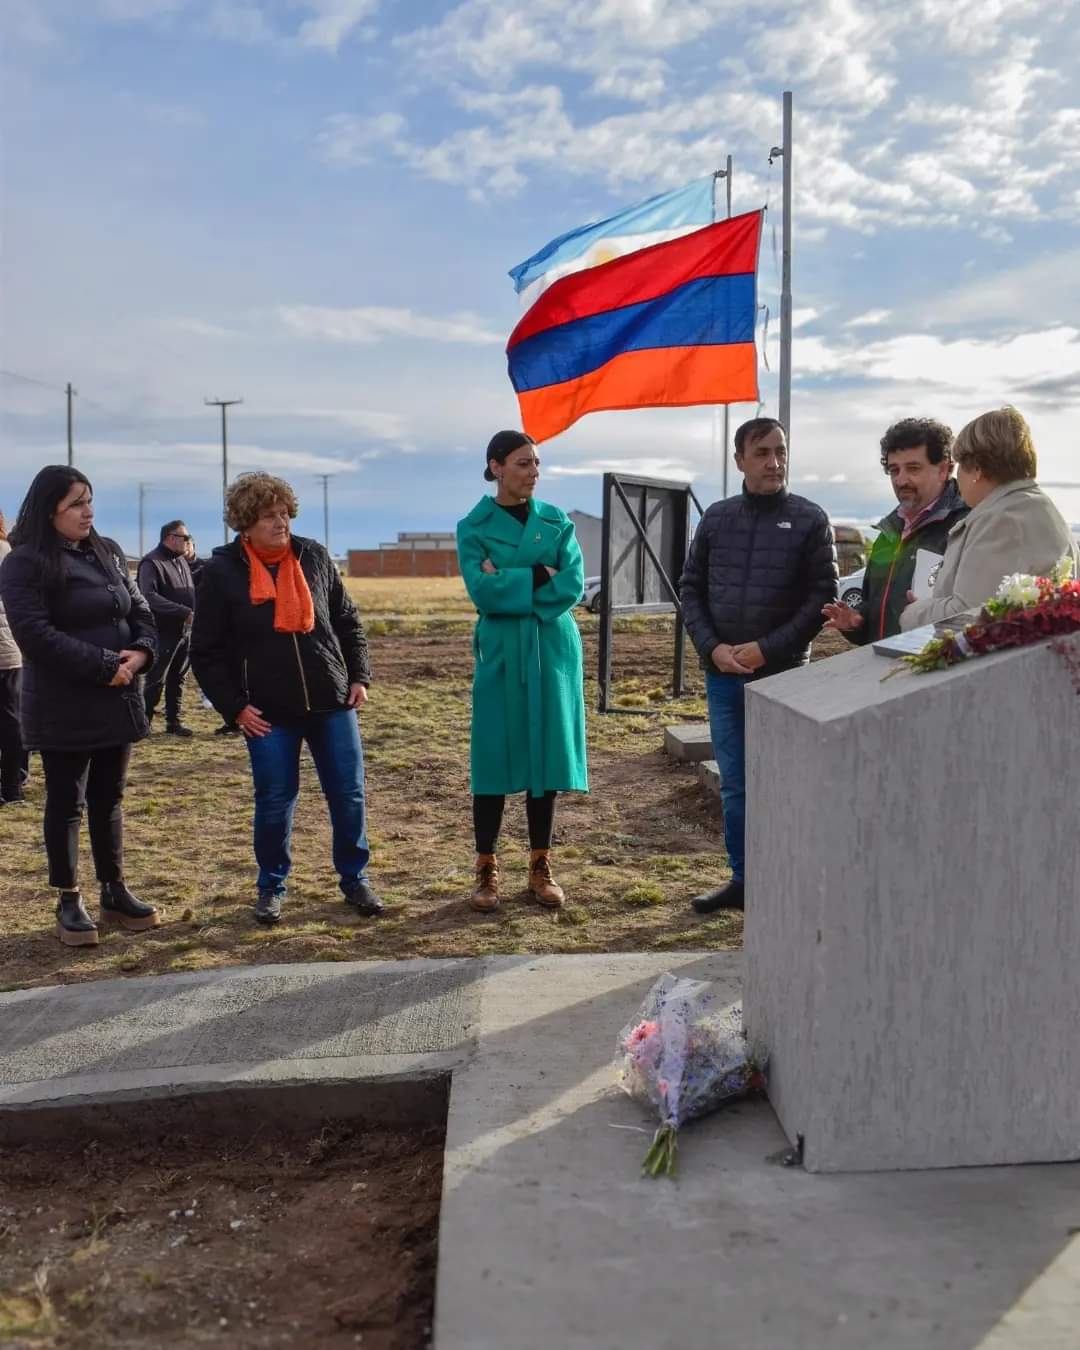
(294, 610)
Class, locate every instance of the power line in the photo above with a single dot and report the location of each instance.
(29, 379)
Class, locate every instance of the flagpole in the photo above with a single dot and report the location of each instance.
(724, 173)
(727, 406)
(785, 285)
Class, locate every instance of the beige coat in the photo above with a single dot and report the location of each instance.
(1017, 528)
(10, 656)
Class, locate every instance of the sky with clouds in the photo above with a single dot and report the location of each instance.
(312, 205)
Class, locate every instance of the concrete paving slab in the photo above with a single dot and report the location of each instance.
(708, 773)
(269, 1022)
(688, 742)
(549, 1236)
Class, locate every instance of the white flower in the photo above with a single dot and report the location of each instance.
(1019, 589)
(1062, 571)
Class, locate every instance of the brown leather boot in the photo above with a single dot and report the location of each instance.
(542, 887)
(485, 896)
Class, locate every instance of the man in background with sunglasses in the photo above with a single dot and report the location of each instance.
(166, 580)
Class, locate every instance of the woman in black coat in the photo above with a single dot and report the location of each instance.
(85, 633)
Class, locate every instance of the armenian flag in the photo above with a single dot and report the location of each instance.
(671, 325)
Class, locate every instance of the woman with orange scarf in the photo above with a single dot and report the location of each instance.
(279, 649)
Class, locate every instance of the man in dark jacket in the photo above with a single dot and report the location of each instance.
(916, 453)
(165, 579)
(760, 569)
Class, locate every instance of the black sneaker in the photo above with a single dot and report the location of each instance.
(724, 897)
(178, 729)
(268, 907)
(226, 730)
(118, 905)
(363, 899)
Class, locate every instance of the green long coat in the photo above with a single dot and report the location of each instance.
(528, 710)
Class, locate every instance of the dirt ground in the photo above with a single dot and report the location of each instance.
(630, 854)
(318, 1240)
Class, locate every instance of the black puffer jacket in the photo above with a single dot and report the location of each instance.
(238, 658)
(891, 568)
(759, 570)
(70, 640)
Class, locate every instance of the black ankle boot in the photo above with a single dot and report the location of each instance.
(74, 927)
(724, 897)
(118, 905)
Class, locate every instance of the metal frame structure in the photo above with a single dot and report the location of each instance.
(622, 488)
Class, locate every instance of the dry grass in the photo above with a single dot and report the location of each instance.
(630, 854)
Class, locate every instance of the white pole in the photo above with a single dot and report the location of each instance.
(727, 176)
(785, 286)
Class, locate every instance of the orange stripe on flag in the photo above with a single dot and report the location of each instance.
(670, 377)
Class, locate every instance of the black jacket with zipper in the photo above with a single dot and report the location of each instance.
(239, 659)
(71, 638)
(759, 570)
(891, 567)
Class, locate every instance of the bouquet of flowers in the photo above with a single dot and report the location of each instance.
(684, 1055)
(1025, 609)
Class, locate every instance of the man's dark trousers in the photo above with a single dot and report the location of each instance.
(168, 672)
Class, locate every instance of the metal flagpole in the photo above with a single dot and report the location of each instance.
(724, 173)
(785, 283)
(727, 406)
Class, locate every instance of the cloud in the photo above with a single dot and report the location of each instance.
(650, 468)
(334, 22)
(367, 324)
(345, 139)
(870, 319)
(179, 461)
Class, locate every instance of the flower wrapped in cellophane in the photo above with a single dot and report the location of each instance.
(684, 1055)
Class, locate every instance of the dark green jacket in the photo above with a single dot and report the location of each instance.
(891, 568)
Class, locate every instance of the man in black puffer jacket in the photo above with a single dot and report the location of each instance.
(760, 569)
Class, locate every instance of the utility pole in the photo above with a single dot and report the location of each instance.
(326, 507)
(71, 444)
(785, 283)
(223, 403)
(143, 487)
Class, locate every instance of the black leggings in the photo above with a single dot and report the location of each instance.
(487, 811)
(93, 780)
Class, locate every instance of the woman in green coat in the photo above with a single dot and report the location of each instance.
(522, 567)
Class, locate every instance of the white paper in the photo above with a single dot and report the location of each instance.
(926, 570)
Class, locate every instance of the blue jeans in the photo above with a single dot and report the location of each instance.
(334, 741)
(728, 727)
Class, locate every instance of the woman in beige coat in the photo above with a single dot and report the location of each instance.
(1012, 527)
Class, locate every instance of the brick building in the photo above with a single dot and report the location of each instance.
(419, 554)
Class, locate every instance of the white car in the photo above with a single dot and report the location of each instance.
(851, 588)
(591, 598)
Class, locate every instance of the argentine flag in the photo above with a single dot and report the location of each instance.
(661, 218)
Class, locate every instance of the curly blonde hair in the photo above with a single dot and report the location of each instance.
(253, 493)
(999, 445)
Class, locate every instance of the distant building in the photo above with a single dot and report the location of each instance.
(430, 553)
(588, 529)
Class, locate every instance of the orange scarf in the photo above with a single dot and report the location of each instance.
(294, 611)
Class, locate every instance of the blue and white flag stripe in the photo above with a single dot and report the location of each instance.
(661, 217)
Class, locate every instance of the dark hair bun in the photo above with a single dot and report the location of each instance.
(503, 443)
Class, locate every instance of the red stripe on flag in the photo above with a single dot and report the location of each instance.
(671, 377)
(725, 249)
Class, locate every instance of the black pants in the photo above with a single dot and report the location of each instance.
(488, 814)
(168, 671)
(93, 780)
(14, 761)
